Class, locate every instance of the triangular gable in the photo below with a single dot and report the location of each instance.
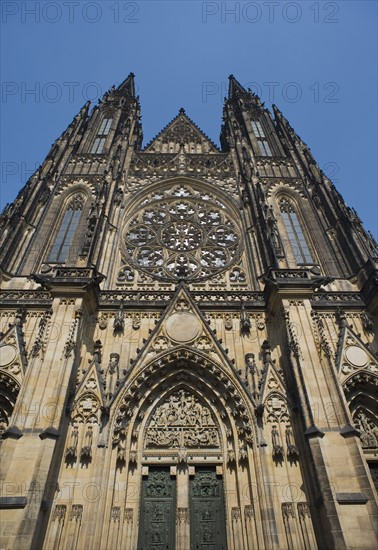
(12, 353)
(91, 381)
(180, 130)
(182, 324)
(271, 382)
(89, 396)
(353, 355)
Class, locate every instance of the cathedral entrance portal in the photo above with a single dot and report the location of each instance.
(182, 503)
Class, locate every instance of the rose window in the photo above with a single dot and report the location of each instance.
(181, 234)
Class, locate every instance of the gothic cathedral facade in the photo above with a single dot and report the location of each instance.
(189, 354)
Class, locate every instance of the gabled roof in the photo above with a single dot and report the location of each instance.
(188, 126)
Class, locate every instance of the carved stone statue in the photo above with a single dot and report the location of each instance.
(276, 442)
(119, 321)
(369, 431)
(71, 450)
(290, 443)
(86, 451)
(245, 320)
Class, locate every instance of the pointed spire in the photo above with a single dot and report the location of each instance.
(235, 88)
(76, 121)
(283, 122)
(276, 111)
(127, 86)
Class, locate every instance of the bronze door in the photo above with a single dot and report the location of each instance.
(158, 511)
(207, 517)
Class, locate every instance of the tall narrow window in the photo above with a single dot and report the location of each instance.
(105, 127)
(98, 146)
(264, 148)
(99, 142)
(294, 231)
(67, 229)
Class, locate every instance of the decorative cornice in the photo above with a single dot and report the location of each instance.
(208, 298)
(347, 299)
(26, 297)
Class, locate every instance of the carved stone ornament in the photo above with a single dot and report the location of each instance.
(76, 512)
(228, 323)
(276, 408)
(60, 512)
(182, 421)
(288, 510)
(128, 515)
(368, 427)
(303, 510)
(248, 512)
(235, 514)
(182, 515)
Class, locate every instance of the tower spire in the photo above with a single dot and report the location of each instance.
(234, 87)
(128, 85)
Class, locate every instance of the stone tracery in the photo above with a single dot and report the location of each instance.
(182, 233)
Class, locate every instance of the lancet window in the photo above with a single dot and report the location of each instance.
(99, 142)
(66, 233)
(295, 233)
(263, 144)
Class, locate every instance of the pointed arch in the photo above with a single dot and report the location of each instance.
(166, 374)
(361, 390)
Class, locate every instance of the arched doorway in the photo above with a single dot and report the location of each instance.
(183, 429)
(186, 440)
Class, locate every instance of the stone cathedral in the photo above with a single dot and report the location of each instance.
(189, 355)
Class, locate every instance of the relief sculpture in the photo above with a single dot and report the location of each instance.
(182, 421)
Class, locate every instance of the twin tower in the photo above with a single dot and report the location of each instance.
(188, 342)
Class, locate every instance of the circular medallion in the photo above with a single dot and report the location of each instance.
(356, 356)
(182, 327)
(7, 355)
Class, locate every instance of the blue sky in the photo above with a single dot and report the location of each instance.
(316, 60)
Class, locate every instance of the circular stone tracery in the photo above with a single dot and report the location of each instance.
(182, 233)
(181, 236)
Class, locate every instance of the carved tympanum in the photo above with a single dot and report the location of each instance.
(182, 421)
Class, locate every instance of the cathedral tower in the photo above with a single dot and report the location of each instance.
(189, 353)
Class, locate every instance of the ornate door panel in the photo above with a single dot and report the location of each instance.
(207, 517)
(158, 511)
